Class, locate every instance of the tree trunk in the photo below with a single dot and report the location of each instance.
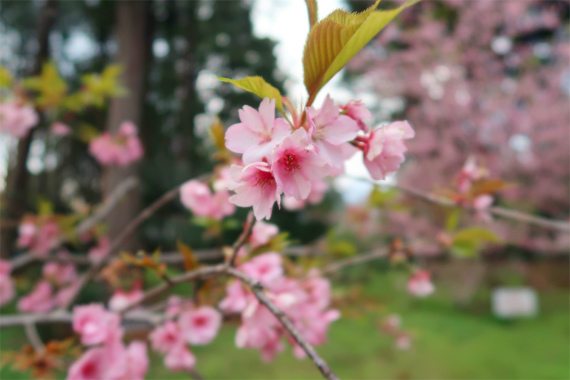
(15, 193)
(133, 39)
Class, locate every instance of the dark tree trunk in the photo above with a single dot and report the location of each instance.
(16, 192)
(133, 39)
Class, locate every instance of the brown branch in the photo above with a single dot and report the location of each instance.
(359, 259)
(250, 222)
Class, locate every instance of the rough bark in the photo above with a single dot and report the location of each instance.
(15, 194)
(133, 38)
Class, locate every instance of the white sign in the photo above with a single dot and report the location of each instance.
(511, 302)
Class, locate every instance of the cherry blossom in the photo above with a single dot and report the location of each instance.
(60, 129)
(179, 358)
(122, 299)
(255, 185)
(39, 236)
(94, 323)
(296, 165)
(420, 284)
(101, 250)
(384, 149)
(166, 337)
(265, 268)
(261, 233)
(6, 283)
(330, 130)
(38, 300)
(258, 132)
(357, 111)
(197, 197)
(236, 298)
(201, 325)
(17, 119)
(122, 148)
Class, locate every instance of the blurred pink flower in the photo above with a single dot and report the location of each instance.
(120, 149)
(95, 324)
(166, 337)
(60, 129)
(236, 298)
(101, 250)
(38, 300)
(179, 359)
(121, 299)
(264, 268)
(420, 284)
(197, 197)
(6, 283)
(384, 149)
(92, 365)
(17, 119)
(261, 233)
(201, 325)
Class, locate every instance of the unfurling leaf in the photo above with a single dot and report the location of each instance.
(337, 38)
(145, 261)
(476, 234)
(49, 84)
(190, 260)
(313, 10)
(6, 78)
(97, 88)
(488, 186)
(259, 87)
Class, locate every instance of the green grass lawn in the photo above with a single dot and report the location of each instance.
(449, 342)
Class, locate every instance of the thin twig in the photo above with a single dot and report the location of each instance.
(34, 337)
(67, 317)
(505, 213)
(359, 259)
(250, 222)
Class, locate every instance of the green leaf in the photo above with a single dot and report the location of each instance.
(259, 87)
(476, 234)
(333, 41)
(313, 10)
(452, 219)
(45, 207)
(379, 198)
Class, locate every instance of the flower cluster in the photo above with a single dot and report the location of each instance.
(195, 326)
(6, 283)
(109, 359)
(39, 235)
(120, 149)
(280, 158)
(17, 119)
(305, 301)
(197, 197)
(58, 283)
(468, 176)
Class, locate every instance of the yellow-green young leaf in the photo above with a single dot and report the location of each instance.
(5, 77)
(259, 87)
(49, 84)
(333, 41)
(45, 207)
(452, 219)
(87, 132)
(313, 10)
(475, 234)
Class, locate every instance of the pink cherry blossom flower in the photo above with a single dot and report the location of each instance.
(264, 268)
(384, 149)
(60, 129)
(201, 325)
(94, 323)
(258, 132)
(357, 111)
(482, 204)
(17, 119)
(92, 365)
(236, 298)
(420, 284)
(329, 130)
(318, 191)
(179, 359)
(59, 274)
(26, 234)
(120, 149)
(48, 235)
(296, 165)
(6, 283)
(166, 337)
(403, 342)
(261, 233)
(196, 197)
(101, 250)
(65, 294)
(38, 300)
(136, 361)
(121, 299)
(255, 185)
